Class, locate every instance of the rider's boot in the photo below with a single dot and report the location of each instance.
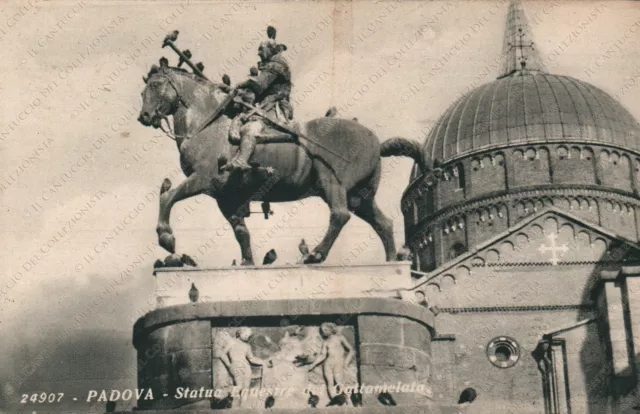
(241, 160)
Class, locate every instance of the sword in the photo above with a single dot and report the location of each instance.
(260, 112)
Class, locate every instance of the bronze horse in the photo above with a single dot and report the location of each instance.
(338, 161)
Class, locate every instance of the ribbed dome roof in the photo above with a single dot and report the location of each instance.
(528, 108)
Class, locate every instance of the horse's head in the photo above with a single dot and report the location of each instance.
(160, 98)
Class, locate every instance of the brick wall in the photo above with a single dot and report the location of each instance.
(519, 386)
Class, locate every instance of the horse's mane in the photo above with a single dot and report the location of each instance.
(183, 72)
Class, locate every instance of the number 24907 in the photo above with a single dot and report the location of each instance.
(42, 397)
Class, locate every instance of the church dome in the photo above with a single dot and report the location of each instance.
(527, 141)
(531, 108)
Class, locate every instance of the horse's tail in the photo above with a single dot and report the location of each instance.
(401, 147)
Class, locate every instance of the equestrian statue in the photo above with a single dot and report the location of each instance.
(240, 144)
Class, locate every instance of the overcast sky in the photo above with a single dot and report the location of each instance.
(71, 82)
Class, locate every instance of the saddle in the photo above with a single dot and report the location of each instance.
(277, 127)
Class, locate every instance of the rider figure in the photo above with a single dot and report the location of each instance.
(269, 89)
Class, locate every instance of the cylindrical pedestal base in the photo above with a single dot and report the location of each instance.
(184, 352)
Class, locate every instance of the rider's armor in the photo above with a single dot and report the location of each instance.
(271, 89)
(273, 85)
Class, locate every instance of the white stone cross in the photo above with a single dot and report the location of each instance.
(553, 249)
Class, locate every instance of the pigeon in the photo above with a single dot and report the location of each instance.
(186, 259)
(253, 71)
(221, 404)
(234, 263)
(193, 293)
(187, 54)
(404, 254)
(354, 119)
(313, 400)
(338, 400)
(467, 396)
(270, 257)
(386, 399)
(271, 32)
(304, 249)
(356, 399)
(269, 402)
(111, 406)
(158, 264)
(331, 112)
(166, 185)
(226, 79)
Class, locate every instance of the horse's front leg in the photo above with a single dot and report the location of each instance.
(190, 187)
(235, 215)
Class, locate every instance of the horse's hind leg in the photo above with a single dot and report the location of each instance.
(235, 216)
(336, 197)
(368, 211)
(190, 187)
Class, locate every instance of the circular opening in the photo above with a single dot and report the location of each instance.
(502, 353)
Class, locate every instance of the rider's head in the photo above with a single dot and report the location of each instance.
(269, 47)
(266, 50)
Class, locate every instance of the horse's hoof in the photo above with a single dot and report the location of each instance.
(173, 260)
(247, 263)
(167, 242)
(158, 264)
(315, 257)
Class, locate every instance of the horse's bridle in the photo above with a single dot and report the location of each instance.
(216, 113)
(168, 131)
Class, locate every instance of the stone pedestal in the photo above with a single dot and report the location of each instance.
(241, 283)
(178, 343)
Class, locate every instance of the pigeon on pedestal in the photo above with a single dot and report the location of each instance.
(356, 399)
(269, 402)
(188, 260)
(386, 399)
(338, 400)
(304, 249)
(313, 400)
(270, 257)
(193, 293)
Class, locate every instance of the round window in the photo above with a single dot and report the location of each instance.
(503, 352)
